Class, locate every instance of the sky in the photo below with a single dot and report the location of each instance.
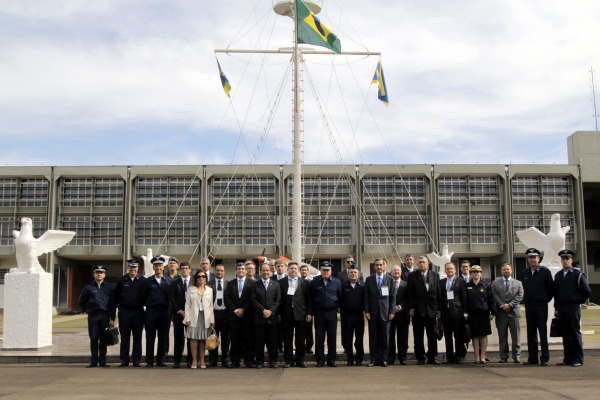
(135, 82)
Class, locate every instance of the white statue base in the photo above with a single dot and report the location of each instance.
(27, 310)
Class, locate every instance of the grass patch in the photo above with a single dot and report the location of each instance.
(75, 323)
(590, 314)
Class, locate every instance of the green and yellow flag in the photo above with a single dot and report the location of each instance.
(224, 80)
(312, 31)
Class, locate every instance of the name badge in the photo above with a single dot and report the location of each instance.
(291, 291)
(385, 291)
(450, 295)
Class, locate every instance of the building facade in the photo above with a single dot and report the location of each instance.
(231, 213)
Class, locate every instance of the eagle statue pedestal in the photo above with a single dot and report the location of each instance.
(27, 310)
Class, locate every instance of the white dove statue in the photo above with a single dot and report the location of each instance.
(549, 244)
(28, 248)
(441, 260)
(148, 267)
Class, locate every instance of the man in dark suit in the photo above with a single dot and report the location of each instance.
(380, 302)
(239, 309)
(537, 293)
(218, 285)
(454, 314)
(266, 297)
(424, 299)
(343, 274)
(310, 337)
(295, 311)
(352, 303)
(407, 267)
(399, 325)
(178, 289)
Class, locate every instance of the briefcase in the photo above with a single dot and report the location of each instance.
(467, 333)
(112, 335)
(555, 328)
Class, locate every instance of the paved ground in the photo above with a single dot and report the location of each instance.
(72, 381)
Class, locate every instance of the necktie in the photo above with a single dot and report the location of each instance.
(424, 277)
(506, 284)
(219, 289)
(379, 282)
(449, 285)
(185, 285)
(240, 286)
(266, 284)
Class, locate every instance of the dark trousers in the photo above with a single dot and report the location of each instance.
(179, 341)
(97, 323)
(422, 325)
(379, 336)
(290, 327)
(353, 328)
(325, 324)
(221, 330)
(537, 316)
(131, 324)
(157, 321)
(569, 320)
(454, 335)
(310, 337)
(266, 334)
(242, 344)
(399, 336)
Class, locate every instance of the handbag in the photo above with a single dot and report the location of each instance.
(439, 328)
(555, 328)
(112, 335)
(467, 335)
(212, 341)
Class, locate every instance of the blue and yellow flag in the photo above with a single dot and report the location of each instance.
(312, 31)
(379, 79)
(224, 80)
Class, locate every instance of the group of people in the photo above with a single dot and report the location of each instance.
(277, 308)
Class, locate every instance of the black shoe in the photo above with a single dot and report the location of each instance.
(384, 364)
(176, 365)
(403, 361)
(391, 362)
(433, 361)
(421, 361)
(529, 363)
(272, 365)
(331, 364)
(149, 365)
(459, 360)
(310, 352)
(449, 361)
(137, 365)
(350, 363)
(373, 364)
(123, 364)
(562, 364)
(517, 361)
(503, 361)
(320, 364)
(91, 365)
(287, 365)
(359, 364)
(162, 365)
(211, 364)
(543, 363)
(300, 364)
(104, 365)
(258, 366)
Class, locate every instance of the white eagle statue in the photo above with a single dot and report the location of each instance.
(28, 248)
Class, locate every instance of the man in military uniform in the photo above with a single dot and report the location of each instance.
(157, 317)
(128, 294)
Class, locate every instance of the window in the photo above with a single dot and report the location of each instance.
(247, 229)
(3, 272)
(109, 192)
(81, 225)
(157, 229)
(399, 229)
(151, 192)
(452, 190)
(7, 226)
(484, 190)
(184, 191)
(454, 229)
(321, 229)
(556, 190)
(108, 230)
(33, 193)
(393, 190)
(77, 192)
(322, 191)
(8, 192)
(525, 190)
(485, 228)
(243, 191)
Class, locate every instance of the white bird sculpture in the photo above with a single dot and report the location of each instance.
(441, 260)
(148, 267)
(28, 248)
(549, 244)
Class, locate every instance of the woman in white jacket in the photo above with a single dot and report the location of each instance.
(199, 316)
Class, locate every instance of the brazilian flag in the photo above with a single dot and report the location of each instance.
(312, 31)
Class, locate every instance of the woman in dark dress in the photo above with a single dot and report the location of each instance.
(480, 308)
